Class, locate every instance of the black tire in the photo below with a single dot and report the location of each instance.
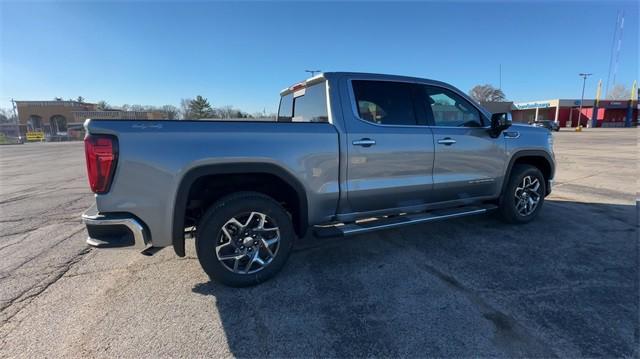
(508, 201)
(209, 233)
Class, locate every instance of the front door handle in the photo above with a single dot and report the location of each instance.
(364, 142)
(448, 141)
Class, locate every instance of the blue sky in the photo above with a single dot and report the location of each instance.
(243, 54)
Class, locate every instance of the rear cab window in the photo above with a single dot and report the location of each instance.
(307, 104)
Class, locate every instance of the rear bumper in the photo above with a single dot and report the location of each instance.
(117, 230)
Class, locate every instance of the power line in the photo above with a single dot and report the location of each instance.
(617, 58)
(613, 44)
(614, 53)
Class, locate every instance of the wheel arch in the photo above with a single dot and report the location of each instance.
(300, 222)
(538, 158)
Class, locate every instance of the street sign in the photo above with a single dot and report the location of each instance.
(35, 136)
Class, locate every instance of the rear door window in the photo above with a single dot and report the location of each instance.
(312, 105)
(305, 105)
(385, 102)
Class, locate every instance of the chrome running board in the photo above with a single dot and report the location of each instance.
(375, 224)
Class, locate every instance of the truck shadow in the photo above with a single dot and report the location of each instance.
(467, 287)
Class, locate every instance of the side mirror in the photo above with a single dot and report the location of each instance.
(500, 122)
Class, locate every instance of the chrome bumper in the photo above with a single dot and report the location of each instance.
(106, 231)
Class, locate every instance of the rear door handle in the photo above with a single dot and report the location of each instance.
(448, 141)
(364, 142)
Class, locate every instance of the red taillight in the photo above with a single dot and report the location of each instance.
(296, 87)
(102, 156)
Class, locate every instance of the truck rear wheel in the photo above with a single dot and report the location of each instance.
(524, 194)
(244, 239)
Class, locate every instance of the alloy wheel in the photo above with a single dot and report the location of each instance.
(527, 195)
(248, 242)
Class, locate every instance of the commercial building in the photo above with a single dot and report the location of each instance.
(568, 113)
(50, 117)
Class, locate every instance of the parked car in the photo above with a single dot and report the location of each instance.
(345, 147)
(549, 125)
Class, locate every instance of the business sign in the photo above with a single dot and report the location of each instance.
(528, 105)
(576, 103)
(614, 104)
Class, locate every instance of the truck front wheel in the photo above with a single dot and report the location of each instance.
(244, 239)
(524, 194)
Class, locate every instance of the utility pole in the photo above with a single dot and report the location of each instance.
(15, 112)
(500, 76)
(312, 72)
(584, 82)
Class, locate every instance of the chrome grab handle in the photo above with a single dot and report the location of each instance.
(447, 141)
(365, 142)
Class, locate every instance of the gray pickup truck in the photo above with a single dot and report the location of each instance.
(349, 153)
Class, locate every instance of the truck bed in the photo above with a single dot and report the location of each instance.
(155, 156)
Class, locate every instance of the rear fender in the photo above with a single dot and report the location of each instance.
(232, 168)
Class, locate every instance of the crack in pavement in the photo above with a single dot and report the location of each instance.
(27, 296)
(509, 335)
(574, 180)
(11, 244)
(132, 269)
(43, 222)
(80, 229)
(24, 231)
(11, 220)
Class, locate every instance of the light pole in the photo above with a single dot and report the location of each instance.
(312, 72)
(584, 82)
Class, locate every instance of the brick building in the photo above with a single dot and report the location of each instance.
(63, 119)
(50, 117)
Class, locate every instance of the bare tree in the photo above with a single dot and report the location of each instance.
(7, 116)
(487, 93)
(185, 112)
(137, 108)
(619, 92)
(263, 116)
(226, 111)
(80, 99)
(102, 105)
(171, 111)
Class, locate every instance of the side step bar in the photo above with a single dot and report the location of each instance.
(375, 224)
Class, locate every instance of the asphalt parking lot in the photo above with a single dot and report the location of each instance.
(565, 285)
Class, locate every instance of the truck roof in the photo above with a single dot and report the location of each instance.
(381, 77)
(364, 75)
